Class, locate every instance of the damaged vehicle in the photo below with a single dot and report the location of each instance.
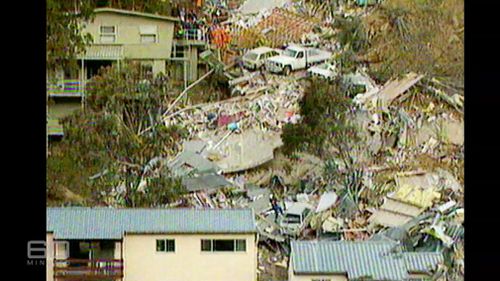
(296, 57)
(295, 219)
(256, 58)
(325, 70)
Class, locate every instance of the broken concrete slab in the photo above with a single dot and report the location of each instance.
(453, 131)
(326, 201)
(416, 195)
(419, 179)
(394, 88)
(332, 224)
(190, 162)
(209, 183)
(395, 213)
(244, 151)
(196, 146)
(415, 192)
(447, 180)
(259, 198)
(446, 130)
(390, 91)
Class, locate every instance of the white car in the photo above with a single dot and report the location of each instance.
(255, 59)
(325, 70)
(296, 218)
(296, 57)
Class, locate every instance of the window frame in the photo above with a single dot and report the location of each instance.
(211, 249)
(166, 248)
(155, 34)
(144, 35)
(114, 34)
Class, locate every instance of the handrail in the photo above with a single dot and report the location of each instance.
(87, 260)
(91, 268)
(194, 34)
(66, 88)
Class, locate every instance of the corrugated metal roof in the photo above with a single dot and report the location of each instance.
(378, 260)
(108, 223)
(422, 261)
(103, 52)
(134, 13)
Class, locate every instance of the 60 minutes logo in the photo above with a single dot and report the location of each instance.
(37, 251)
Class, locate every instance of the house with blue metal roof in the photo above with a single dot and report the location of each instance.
(151, 244)
(360, 260)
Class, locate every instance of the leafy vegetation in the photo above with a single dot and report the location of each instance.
(162, 7)
(425, 36)
(105, 141)
(64, 39)
(324, 109)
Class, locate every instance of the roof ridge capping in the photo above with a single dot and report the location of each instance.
(135, 13)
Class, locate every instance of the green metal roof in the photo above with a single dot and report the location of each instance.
(108, 223)
(378, 260)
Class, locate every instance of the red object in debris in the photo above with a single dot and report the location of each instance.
(223, 120)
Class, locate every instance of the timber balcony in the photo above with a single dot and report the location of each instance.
(82, 269)
(66, 88)
(195, 37)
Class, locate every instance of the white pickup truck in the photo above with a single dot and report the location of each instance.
(296, 57)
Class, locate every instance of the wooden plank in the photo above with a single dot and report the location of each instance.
(87, 260)
(88, 268)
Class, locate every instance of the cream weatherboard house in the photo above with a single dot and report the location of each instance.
(151, 244)
(120, 35)
(117, 35)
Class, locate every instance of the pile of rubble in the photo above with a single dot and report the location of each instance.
(267, 110)
(407, 170)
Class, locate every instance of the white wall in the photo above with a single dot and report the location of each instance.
(142, 262)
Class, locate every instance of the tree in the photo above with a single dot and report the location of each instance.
(324, 108)
(121, 102)
(64, 39)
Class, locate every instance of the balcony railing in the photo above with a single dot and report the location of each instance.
(82, 269)
(65, 88)
(193, 34)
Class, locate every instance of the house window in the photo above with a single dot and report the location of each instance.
(149, 34)
(206, 245)
(223, 245)
(108, 34)
(165, 245)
